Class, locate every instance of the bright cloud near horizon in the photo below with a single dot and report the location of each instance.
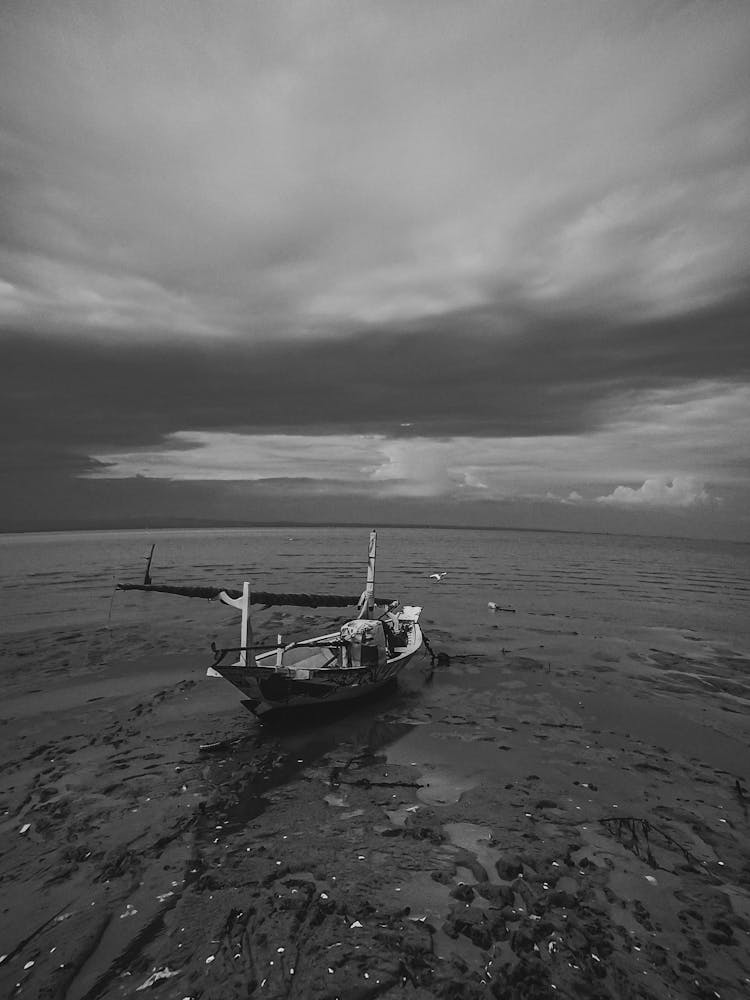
(417, 251)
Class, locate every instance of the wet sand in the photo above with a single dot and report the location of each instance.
(542, 814)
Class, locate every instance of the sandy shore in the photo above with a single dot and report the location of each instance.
(563, 818)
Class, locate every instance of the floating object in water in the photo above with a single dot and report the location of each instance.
(437, 576)
(498, 607)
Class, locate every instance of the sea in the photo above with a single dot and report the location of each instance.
(592, 584)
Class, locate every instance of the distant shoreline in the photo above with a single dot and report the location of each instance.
(189, 524)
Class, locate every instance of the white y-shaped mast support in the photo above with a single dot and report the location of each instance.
(246, 632)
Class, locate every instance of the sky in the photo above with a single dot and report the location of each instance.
(483, 263)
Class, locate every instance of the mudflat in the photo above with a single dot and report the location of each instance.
(537, 814)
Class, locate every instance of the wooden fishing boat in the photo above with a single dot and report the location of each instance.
(359, 658)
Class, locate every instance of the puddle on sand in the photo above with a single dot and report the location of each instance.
(447, 762)
(478, 840)
(441, 788)
(427, 899)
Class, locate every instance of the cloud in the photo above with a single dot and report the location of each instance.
(546, 409)
(661, 492)
(373, 463)
(662, 386)
(268, 171)
(457, 467)
(418, 250)
(234, 457)
(472, 481)
(414, 467)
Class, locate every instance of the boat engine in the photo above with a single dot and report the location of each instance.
(365, 642)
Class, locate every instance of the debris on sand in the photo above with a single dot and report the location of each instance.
(157, 977)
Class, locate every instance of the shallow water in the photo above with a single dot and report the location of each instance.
(616, 686)
(582, 604)
(66, 579)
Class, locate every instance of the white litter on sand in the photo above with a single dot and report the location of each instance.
(156, 977)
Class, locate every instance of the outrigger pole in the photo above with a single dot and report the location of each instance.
(242, 599)
(256, 597)
(365, 602)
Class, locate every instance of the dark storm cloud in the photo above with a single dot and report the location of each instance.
(463, 374)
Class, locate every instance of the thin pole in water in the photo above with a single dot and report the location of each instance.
(147, 577)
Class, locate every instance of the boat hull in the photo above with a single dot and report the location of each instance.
(267, 689)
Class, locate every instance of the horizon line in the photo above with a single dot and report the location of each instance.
(193, 524)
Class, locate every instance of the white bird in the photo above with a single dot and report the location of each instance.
(437, 576)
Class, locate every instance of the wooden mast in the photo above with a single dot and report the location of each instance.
(367, 600)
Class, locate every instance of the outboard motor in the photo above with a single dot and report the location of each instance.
(365, 642)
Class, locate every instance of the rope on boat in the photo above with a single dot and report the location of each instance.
(256, 597)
